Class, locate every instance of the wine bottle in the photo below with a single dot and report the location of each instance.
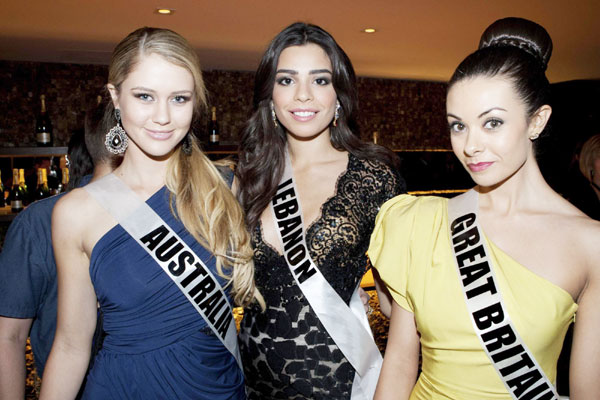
(39, 190)
(53, 174)
(213, 128)
(23, 186)
(43, 191)
(16, 194)
(43, 126)
(62, 187)
(2, 200)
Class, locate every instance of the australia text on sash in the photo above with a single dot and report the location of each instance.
(513, 361)
(289, 222)
(186, 269)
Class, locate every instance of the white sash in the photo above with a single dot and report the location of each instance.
(180, 263)
(348, 326)
(515, 364)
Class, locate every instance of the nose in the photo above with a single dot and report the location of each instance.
(303, 92)
(473, 143)
(161, 114)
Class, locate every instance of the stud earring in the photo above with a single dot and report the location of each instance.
(116, 139)
(336, 116)
(534, 136)
(273, 115)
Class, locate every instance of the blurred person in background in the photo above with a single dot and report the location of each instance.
(589, 165)
(28, 287)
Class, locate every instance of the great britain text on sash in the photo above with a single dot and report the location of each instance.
(185, 268)
(515, 364)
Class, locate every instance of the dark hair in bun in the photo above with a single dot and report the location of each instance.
(518, 49)
(521, 33)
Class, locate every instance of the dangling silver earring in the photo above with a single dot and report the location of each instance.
(186, 144)
(116, 139)
(273, 115)
(336, 116)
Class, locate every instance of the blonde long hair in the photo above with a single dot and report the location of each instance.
(204, 203)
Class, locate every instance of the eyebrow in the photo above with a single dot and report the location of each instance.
(480, 115)
(311, 72)
(145, 89)
(490, 110)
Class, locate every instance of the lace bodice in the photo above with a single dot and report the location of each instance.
(337, 242)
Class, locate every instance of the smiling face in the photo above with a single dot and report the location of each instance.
(156, 103)
(490, 130)
(303, 96)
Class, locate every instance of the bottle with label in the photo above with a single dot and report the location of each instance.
(213, 128)
(23, 186)
(43, 126)
(62, 187)
(2, 200)
(16, 194)
(42, 191)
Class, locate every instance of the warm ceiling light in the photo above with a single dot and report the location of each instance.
(165, 11)
(369, 30)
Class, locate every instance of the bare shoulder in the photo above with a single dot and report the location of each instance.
(80, 219)
(589, 237)
(72, 208)
(582, 234)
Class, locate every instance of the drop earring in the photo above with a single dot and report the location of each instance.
(116, 139)
(273, 115)
(336, 116)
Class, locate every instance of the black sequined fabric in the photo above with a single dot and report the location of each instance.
(287, 353)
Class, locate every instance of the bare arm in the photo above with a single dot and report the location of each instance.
(383, 294)
(401, 362)
(585, 353)
(76, 318)
(13, 335)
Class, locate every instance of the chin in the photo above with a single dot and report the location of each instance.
(159, 152)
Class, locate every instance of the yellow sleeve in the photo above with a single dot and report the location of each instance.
(390, 247)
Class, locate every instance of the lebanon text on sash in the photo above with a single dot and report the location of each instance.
(515, 364)
(180, 263)
(348, 326)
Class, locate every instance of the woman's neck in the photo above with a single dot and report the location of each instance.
(144, 174)
(525, 190)
(312, 151)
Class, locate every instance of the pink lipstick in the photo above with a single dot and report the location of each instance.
(479, 166)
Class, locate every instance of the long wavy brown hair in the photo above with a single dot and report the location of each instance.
(262, 146)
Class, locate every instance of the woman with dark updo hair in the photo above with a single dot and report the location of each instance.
(487, 283)
(309, 342)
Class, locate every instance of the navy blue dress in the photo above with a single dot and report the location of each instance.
(157, 345)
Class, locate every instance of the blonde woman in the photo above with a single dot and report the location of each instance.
(160, 244)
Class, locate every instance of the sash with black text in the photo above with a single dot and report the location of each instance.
(348, 326)
(183, 266)
(515, 364)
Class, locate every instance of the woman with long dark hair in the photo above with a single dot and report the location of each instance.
(310, 189)
(487, 283)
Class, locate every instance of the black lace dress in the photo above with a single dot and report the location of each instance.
(287, 353)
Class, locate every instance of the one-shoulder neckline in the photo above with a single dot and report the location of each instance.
(112, 229)
(497, 249)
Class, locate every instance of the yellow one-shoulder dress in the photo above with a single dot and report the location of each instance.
(410, 247)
